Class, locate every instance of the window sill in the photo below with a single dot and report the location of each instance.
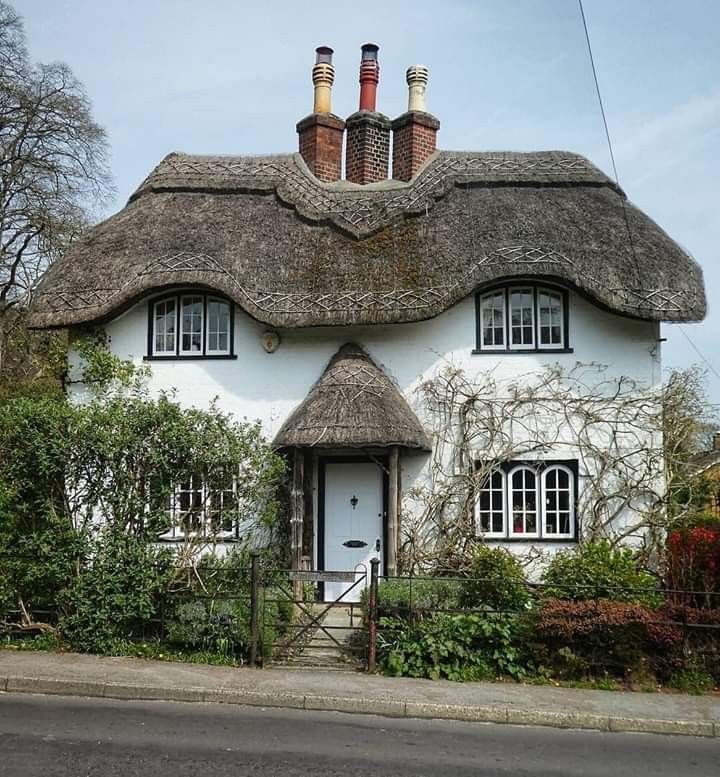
(195, 538)
(507, 351)
(530, 540)
(190, 357)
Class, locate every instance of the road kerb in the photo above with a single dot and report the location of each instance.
(386, 708)
(470, 713)
(54, 687)
(383, 707)
(578, 720)
(693, 728)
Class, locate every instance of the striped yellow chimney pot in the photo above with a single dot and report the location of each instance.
(323, 76)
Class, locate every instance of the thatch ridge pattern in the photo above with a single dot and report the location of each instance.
(288, 270)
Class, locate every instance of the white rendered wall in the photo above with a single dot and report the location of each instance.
(267, 387)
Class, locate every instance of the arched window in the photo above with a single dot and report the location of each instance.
(190, 325)
(558, 502)
(490, 505)
(528, 500)
(523, 505)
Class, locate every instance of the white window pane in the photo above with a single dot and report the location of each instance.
(558, 502)
(191, 322)
(218, 313)
(164, 327)
(491, 504)
(522, 317)
(492, 318)
(523, 495)
(550, 310)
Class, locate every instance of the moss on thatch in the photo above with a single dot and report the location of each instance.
(294, 252)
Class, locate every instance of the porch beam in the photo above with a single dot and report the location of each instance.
(297, 500)
(393, 512)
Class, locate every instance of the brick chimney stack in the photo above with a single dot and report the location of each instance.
(320, 135)
(415, 132)
(367, 150)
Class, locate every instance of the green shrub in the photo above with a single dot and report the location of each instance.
(692, 679)
(116, 595)
(410, 597)
(497, 581)
(598, 570)
(452, 647)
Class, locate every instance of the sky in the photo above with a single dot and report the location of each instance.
(232, 76)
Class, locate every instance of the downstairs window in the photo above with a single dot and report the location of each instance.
(197, 510)
(528, 501)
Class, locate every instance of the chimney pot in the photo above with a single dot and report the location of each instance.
(320, 135)
(367, 146)
(369, 76)
(417, 78)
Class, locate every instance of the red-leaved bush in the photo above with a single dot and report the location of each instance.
(602, 635)
(693, 564)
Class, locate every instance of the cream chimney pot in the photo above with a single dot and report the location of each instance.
(417, 78)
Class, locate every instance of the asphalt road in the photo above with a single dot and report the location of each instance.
(50, 735)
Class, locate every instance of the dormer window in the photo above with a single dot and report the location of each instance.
(190, 325)
(522, 318)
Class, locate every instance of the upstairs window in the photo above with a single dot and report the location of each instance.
(190, 326)
(527, 501)
(522, 318)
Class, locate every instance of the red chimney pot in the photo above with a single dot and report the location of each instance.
(369, 77)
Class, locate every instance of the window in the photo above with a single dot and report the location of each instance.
(522, 318)
(164, 327)
(190, 326)
(528, 500)
(197, 510)
(550, 314)
(491, 505)
(523, 502)
(492, 312)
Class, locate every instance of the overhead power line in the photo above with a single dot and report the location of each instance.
(617, 179)
(699, 352)
(597, 89)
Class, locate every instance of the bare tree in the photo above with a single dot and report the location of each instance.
(631, 443)
(53, 168)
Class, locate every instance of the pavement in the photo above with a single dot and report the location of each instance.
(70, 674)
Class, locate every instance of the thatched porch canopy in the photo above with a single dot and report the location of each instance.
(354, 404)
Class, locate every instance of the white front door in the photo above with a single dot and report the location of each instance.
(353, 523)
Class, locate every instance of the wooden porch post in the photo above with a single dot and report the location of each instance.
(393, 494)
(297, 499)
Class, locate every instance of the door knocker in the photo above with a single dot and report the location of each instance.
(354, 501)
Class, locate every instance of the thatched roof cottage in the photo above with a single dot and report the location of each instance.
(320, 304)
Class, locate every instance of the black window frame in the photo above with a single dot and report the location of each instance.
(536, 287)
(539, 467)
(177, 296)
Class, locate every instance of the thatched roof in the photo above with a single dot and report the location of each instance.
(354, 404)
(702, 462)
(295, 252)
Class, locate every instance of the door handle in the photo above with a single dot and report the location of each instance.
(354, 544)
